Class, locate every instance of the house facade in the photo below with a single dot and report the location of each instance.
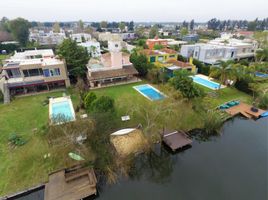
(32, 71)
(81, 37)
(161, 56)
(215, 50)
(47, 38)
(112, 68)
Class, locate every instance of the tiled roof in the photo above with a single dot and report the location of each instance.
(126, 70)
(179, 63)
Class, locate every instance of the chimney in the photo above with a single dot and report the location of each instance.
(116, 59)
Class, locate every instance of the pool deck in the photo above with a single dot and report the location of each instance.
(245, 110)
(77, 184)
(176, 139)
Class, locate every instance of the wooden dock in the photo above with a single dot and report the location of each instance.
(176, 139)
(245, 110)
(71, 184)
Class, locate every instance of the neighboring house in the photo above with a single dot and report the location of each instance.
(118, 45)
(47, 38)
(219, 49)
(174, 65)
(93, 48)
(81, 37)
(112, 68)
(190, 38)
(107, 36)
(128, 36)
(161, 56)
(172, 42)
(156, 41)
(32, 71)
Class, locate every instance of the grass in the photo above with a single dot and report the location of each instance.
(25, 166)
(3, 57)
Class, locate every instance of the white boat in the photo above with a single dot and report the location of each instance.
(124, 131)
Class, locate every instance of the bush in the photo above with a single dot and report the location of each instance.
(263, 101)
(89, 99)
(103, 104)
(182, 82)
(213, 122)
(16, 140)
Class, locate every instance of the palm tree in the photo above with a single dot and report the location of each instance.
(224, 71)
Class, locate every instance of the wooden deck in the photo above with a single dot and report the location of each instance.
(71, 185)
(245, 110)
(176, 139)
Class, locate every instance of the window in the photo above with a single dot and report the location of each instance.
(13, 73)
(54, 72)
(152, 59)
(32, 72)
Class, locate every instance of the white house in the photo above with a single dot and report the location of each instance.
(47, 38)
(92, 47)
(81, 37)
(219, 49)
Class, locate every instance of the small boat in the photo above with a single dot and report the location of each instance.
(75, 156)
(264, 114)
(124, 131)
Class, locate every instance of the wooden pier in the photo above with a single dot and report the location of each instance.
(70, 184)
(245, 110)
(176, 139)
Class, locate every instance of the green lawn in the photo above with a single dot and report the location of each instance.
(25, 166)
(225, 95)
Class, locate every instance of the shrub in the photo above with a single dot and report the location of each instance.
(89, 99)
(182, 82)
(16, 140)
(263, 101)
(103, 104)
(213, 122)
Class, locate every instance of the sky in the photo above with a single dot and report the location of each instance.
(136, 10)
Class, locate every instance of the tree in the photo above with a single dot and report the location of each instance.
(182, 82)
(122, 26)
(20, 30)
(184, 31)
(131, 26)
(103, 24)
(103, 104)
(153, 32)
(192, 25)
(141, 63)
(224, 71)
(140, 32)
(76, 57)
(81, 25)
(89, 99)
(56, 27)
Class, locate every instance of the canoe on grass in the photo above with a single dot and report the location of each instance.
(123, 131)
(75, 156)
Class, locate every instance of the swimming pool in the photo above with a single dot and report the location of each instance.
(61, 110)
(205, 82)
(262, 75)
(149, 92)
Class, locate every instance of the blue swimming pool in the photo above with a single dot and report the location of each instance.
(62, 110)
(262, 75)
(207, 83)
(149, 92)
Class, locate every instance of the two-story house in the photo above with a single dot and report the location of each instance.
(112, 68)
(32, 71)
